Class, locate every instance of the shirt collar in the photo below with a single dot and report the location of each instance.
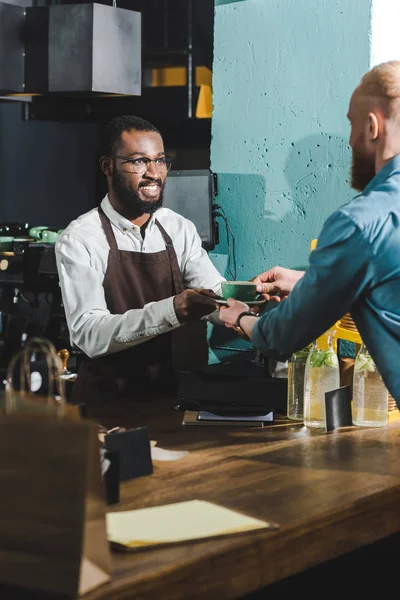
(382, 175)
(117, 219)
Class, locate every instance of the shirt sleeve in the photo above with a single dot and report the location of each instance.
(337, 275)
(198, 270)
(92, 327)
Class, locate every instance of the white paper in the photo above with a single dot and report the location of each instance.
(161, 454)
(177, 522)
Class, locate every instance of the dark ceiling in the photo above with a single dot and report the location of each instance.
(174, 33)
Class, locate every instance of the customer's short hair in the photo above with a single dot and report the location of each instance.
(382, 81)
(110, 135)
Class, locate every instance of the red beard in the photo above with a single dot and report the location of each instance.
(362, 169)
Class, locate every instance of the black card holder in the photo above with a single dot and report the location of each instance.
(133, 447)
(338, 408)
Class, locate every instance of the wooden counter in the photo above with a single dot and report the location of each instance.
(330, 492)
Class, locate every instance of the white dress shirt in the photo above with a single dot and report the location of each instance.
(82, 254)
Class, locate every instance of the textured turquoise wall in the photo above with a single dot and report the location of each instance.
(283, 74)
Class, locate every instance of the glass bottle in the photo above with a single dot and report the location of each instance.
(295, 392)
(370, 395)
(321, 376)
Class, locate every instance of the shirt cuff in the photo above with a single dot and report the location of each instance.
(257, 336)
(170, 314)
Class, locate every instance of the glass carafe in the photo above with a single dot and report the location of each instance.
(321, 376)
(295, 392)
(370, 395)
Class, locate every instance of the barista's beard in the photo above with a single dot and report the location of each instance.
(362, 169)
(129, 198)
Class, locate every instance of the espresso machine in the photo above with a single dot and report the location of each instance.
(30, 298)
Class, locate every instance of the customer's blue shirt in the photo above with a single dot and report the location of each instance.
(355, 268)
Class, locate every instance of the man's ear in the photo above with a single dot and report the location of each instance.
(373, 126)
(106, 165)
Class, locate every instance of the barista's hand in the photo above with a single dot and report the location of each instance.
(192, 305)
(277, 283)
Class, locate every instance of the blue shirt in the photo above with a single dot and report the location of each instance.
(355, 268)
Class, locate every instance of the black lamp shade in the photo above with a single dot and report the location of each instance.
(83, 48)
(11, 49)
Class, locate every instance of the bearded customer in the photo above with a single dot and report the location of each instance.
(356, 265)
(131, 271)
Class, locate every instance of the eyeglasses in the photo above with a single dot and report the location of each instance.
(142, 164)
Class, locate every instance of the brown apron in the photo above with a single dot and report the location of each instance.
(132, 279)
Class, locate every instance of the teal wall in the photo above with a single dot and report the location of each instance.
(283, 74)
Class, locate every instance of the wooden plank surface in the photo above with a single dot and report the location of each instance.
(330, 492)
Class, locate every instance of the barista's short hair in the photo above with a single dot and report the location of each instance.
(110, 135)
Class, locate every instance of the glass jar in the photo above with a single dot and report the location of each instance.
(295, 392)
(370, 395)
(321, 376)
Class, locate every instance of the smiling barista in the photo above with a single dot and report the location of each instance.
(131, 271)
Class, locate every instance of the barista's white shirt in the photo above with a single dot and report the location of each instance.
(82, 253)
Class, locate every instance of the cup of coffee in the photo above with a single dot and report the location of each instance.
(48, 236)
(35, 232)
(245, 291)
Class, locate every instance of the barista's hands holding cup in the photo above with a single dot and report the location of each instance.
(194, 304)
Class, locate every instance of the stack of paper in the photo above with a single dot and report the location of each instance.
(203, 417)
(179, 522)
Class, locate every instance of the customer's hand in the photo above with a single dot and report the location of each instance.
(277, 283)
(229, 314)
(192, 305)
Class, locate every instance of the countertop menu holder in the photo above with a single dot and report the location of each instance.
(134, 452)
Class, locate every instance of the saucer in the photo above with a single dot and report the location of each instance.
(249, 303)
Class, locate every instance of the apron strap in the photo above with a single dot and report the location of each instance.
(105, 221)
(173, 261)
